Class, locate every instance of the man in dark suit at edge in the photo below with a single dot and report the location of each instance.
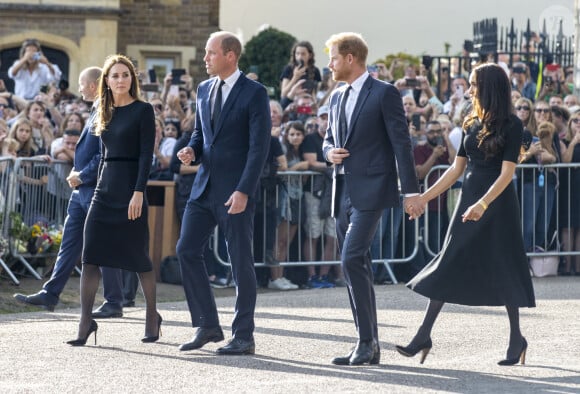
(231, 141)
(367, 132)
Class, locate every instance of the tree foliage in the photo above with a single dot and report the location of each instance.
(267, 53)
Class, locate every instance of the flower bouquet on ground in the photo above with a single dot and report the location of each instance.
(37, 239)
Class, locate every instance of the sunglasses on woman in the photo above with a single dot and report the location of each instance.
(544, 110)
(524, 107)
(575, 120)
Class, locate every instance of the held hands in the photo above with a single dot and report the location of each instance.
(337, 155)
(186, 155)
(135, 206)
(414, 206)
(237, 202)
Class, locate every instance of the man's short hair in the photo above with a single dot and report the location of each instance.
(229, 42)
(352, 43)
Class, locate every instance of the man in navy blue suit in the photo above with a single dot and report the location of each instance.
(368, 142)
(230, 142)
(82, 179)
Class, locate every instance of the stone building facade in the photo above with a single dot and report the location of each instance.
(159, 34)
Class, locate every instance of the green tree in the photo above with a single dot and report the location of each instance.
(266, 54)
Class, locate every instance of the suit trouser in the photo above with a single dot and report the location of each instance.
(355, 231)
(199, 221)
(130, 285)
(70, 253)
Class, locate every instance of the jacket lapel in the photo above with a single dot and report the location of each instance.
(207, 103)
(362, 97)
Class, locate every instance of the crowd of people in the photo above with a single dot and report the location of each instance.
(41, 118)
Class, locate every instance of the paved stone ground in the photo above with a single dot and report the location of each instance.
(297, 335)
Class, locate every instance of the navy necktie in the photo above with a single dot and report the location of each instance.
(342, 125)
(217, 105)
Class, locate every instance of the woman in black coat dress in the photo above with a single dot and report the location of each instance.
(483, 260)
(116, 230)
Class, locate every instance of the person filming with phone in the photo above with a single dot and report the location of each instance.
(553, 82)
(416, 86)
(522, 81)
(32, 70)
(459, 87)
(300, 67)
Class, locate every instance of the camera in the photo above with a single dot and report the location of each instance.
(304, 109)
(548, 80)
(300, 63)
(412, 82)
(37, 56)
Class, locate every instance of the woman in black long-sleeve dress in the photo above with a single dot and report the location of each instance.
(483, 261)
(116, 229)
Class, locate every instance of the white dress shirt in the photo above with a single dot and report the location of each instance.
(229, 83)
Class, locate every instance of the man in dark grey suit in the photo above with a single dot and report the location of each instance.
(368, 142)
(230, 142)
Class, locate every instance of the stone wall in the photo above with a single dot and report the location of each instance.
(88, 31)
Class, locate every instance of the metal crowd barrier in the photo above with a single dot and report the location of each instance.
(386, 250)
(554, 213)
(36, 209)
(6, 176)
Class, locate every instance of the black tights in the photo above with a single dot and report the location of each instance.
(90, 277)
(433, 309)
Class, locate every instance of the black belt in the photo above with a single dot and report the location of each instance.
(121, 159)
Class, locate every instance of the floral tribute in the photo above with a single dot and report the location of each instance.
(40, 238)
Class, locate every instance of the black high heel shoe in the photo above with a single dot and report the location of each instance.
(82, 341)
(154, 338)
(521, 357)
(410, 351)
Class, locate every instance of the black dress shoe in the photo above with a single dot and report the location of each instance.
(237, 347)
(106, 311)
(40, 299)
(128, 304)
(345, 360)
(202, 336)
(365, 352)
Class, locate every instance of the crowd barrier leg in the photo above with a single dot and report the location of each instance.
(9, 272)
(390, 272)
(29, 268)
